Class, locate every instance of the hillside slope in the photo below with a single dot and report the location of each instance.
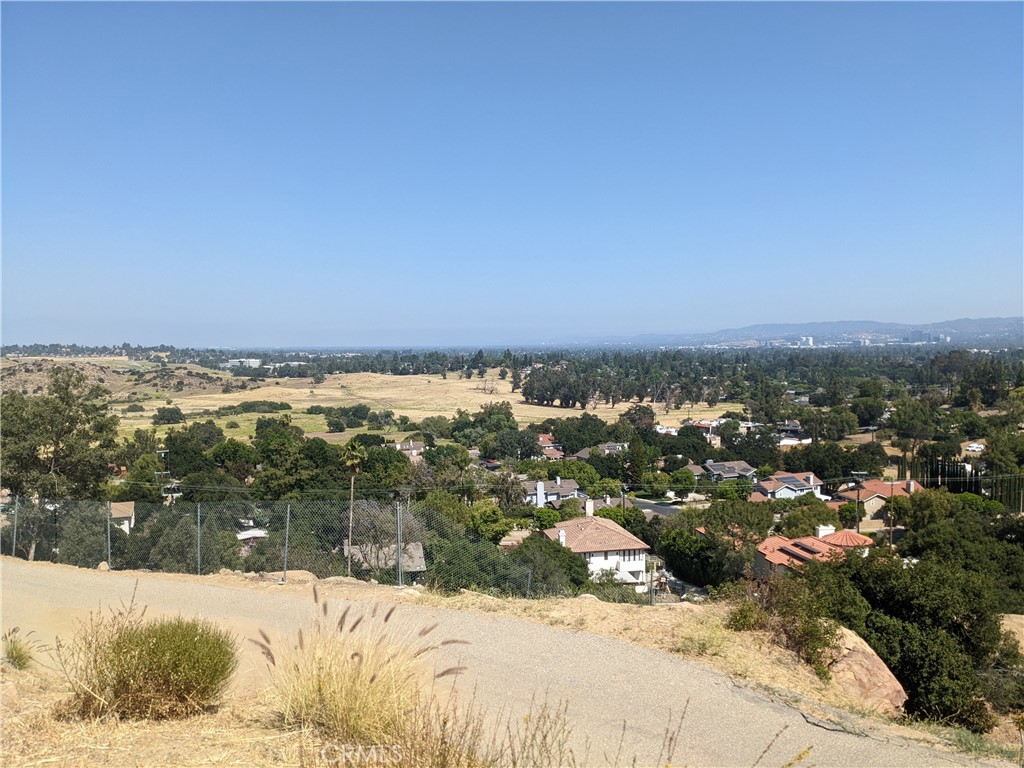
(604, 682)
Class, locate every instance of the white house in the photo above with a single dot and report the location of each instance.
(541, 492)
(122, 514)
(606, 546)
(790, 485)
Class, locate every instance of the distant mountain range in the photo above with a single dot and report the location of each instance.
(1002, 330)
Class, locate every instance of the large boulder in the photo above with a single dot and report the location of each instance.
(857, 669)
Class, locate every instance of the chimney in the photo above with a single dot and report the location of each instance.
(558, 481)
(561, 536)
(823, 530)
(588, 507)
(910, 486)
(809, 479)
(607, 499)
(540, 494)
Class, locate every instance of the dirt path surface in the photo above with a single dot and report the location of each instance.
(605, 682)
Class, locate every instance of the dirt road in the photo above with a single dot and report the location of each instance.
(605, 682)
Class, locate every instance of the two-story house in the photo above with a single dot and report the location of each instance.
(606, 546)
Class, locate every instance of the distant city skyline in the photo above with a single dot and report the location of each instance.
(373, 174)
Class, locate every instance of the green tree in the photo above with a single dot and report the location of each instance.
(57, 445)
(554, 568)
(802, 520)
(683, 482)
(656, 483)
(142, 482)
(168, 415)
(606, 486)
(353, 455)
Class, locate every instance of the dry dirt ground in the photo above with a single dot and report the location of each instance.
(620, 671)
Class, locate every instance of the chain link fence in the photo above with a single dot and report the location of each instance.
(398, 542)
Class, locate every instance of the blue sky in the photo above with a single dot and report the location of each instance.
(369, 173)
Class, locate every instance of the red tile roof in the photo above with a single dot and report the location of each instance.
(793, 553)
(884, 488)
(595, 534)
(848, 539)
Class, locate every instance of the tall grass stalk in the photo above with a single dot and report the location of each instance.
(354, 673)
(18, 649)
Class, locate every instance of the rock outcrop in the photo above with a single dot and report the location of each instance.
(857, 669)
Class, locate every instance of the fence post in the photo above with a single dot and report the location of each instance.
(14, 533)
(398, 545)
(650, 588)
(110, 560)
(287, 526)
(199, 551)
(529, 581)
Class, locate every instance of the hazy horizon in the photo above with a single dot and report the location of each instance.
(639, 340)
(349, 174)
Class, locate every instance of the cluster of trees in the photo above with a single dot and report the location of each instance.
(340, 418)
(931, 609)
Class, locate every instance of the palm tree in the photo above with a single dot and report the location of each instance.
(352, 456)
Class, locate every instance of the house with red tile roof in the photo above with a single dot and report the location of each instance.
(778, 554)
(606, 546)
(549, 447)
(875, 493)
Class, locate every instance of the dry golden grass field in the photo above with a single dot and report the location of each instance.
(201, 390)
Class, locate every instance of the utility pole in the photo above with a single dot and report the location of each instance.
(858, 477)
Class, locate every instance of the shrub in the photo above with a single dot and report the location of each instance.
(17, 650)
(788, 609)
(747, 616)
(360, 677)
(354, 675)
(119, 665)
(134, 408)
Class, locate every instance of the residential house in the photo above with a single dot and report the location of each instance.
(790, 428)
(549, 447)
(412, 448)
(778, 554)
(873, 494)
(122, 514)
(539, 493)
(249, 538)
(590, 506)
(729, 470)
(707, 428)
(606, 546)
(604, 449)
(789, 485)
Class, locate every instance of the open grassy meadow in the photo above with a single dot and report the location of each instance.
(195, 390)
